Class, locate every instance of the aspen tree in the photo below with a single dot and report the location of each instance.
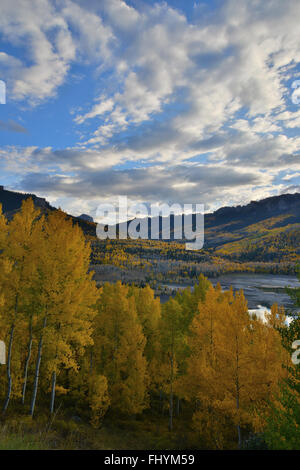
(31, 298)
(68, 297)
(119, 349)
(172, 340)
(231, 372)
(98, 398)
(5, 266)
(149, 313)
(19, 251)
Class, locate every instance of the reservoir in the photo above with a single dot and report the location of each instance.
(259, 289)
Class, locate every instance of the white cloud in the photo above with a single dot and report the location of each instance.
(44, 31)
(215, 89)
(238, 60)
(98, 110)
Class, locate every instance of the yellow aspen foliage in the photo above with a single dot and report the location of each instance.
(276, 318)
(3, 229)
(119, 349)
(68, 298)
(149, 313)
(116, 346)
(232, 369)
(5, 267)
(172, 347)
(98, 398)
(19, 257)
(271, 358)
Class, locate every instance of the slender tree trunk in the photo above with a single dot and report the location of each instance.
(178, 406)
(161, 401)
(37, 369)
(91, 361)
(115, 348)
(8, 369)
(238, 425)
(237, 383)
(171, 384)
(53, 392)
(171, 398)
(54, 379)
(27, 362)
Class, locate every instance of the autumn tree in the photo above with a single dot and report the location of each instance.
(173, 346)
(98, 398)
(283, 419)
(232, 369)
(149, 314)
(67, 301)
(19, 251)
(282, 430)
(119, 345)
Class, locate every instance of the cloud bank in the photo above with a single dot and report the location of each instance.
(188, 106)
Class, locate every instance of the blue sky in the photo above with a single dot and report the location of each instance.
(174, 101)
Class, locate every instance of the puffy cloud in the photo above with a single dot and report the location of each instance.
(231, 63)
(44, 29)
(98, 110)
(28, 23)
(180, 183)
(203, 104)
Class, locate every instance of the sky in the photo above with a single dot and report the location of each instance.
(162, 101)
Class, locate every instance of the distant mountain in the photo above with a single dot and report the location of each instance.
(264, 230)
(261, 230)
(11, 202)
(237, 217)
(86, 217)
(256, 211)
(229, 223)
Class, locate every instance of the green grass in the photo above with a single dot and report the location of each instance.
(116, 433)
(20, 440)
(13, 442)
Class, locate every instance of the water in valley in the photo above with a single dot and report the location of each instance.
(261, 290)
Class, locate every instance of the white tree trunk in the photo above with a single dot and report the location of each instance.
(27, 363)
(53, 392)
(37, 369)
(8, 369)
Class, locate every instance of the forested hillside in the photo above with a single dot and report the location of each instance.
(195, 372)
(260, 237)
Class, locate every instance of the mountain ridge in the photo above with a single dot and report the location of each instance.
(11, 202)
(231, 231)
